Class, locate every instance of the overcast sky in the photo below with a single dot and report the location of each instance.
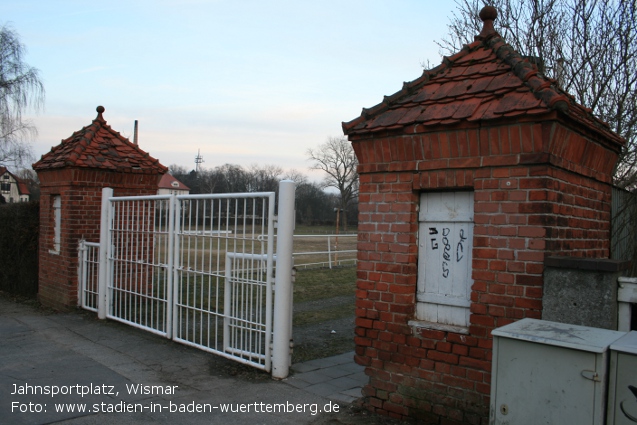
(243, 81)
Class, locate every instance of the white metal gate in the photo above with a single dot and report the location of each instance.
(198, 269)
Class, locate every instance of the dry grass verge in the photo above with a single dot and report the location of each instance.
(323, 313)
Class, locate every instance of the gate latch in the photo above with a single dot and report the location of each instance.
(592, 375)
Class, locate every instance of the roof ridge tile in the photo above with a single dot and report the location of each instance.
(98, 145)
(487, 73)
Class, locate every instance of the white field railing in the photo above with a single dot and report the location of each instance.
(339, 250)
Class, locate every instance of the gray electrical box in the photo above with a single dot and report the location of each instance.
(622, 381)
(549, 373)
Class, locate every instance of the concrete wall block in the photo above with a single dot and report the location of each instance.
(582, 291)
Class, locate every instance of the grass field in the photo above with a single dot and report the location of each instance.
(324, 283)
(323, 312)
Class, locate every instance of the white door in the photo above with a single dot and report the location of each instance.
(445, 238)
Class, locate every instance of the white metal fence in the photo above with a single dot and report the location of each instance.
(195, 268)
(139, 248)
(88, 275)
(339, 250)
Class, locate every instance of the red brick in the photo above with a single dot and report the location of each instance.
(444, 347)
(482, 320)
(442, 357)
(534, 304)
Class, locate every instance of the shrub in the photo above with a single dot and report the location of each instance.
(19, 229)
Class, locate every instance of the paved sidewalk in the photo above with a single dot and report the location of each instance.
(337, 378)
(69, 351)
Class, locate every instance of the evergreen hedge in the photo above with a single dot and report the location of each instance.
(19, 230)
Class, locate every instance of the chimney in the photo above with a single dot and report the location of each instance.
(135, 133)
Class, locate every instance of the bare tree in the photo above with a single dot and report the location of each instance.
(208, 180)
(231, 178)
(177, 170)
(264, 178)
(336, 158)
(296, 176)
(588, 46)
(20, 90)
(30, 178)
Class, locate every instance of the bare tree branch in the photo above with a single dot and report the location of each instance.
(588, 46)
(20, 90)
(336, 158)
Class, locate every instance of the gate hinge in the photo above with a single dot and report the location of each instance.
(592, 375)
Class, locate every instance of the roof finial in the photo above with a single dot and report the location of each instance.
(100, 110)
(488, 14)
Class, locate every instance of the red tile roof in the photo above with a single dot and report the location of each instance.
(99, 146)
(486, 80)
(23, 189)
(167, 181)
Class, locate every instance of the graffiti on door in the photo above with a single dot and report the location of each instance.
(441, 238)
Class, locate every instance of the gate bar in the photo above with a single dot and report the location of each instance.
(171, 288)
(283, 281)
(105, 225)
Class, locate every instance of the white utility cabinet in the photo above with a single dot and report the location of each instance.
(548, 373)
(622, 381)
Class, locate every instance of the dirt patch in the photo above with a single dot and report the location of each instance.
(355, 414)
(324, 310)
(226, 368)
(323, 328)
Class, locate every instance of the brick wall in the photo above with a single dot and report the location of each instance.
(80, 190)
(539, 189)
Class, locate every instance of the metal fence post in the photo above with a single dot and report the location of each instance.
(283, 281)
(81, 272)
(105, 242)
(172, 288)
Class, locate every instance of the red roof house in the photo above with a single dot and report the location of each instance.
(12, 188)
(169, 185)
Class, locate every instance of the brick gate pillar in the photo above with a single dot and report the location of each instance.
(72, 176)
(469, 176)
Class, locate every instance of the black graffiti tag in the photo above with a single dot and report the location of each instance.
(433, 231)
(460, 246)
(446, 255)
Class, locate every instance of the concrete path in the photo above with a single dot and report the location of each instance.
(337, 378)
(130, 376)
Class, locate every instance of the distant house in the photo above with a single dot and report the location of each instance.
(169, 185)
(12, 188)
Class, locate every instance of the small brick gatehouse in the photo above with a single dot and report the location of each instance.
(72, 176)
(469, 177)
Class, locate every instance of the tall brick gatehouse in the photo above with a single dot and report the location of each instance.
(72, 176)
(469, 177)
